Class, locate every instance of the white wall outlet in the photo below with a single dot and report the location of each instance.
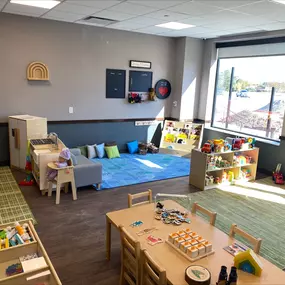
(70, 110)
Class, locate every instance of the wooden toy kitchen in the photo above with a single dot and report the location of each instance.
(28, 134)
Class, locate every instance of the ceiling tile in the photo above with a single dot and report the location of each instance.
(222, 26)
(76, 9)
(100, 4)
(128, 25)
(199, 21)
(114, 15)
(162, 4)
(228, 4)
(194, 9)
(149, 21)
(59, 15)
(225, 16)
(154, 30)
(134, 9)
(168, 16)
(261, 8)
(273, 26)
(24, 9)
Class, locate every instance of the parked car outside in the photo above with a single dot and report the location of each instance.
(242, 93)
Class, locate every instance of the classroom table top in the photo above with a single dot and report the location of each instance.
(174, 263)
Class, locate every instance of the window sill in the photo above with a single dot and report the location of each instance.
(275, 143)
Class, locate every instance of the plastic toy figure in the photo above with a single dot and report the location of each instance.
(207, 148)
(237, 143)
(277, 176)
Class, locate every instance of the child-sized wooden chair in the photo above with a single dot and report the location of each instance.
(212, 215)
(64, 176)
(151, 272)
(147, 194)
(130, 258)
(256, 242)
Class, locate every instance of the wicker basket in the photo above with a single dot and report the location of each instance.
(143, 148)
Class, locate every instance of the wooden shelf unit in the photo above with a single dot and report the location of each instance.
(199, 168)
(11, 256)
(189, 143)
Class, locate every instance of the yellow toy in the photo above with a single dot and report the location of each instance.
(169, 138)
(249, 262)
(231, 176)
(182, 136)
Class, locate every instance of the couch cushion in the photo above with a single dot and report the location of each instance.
(133, 147)
(75, 151)
(83, 150)
(112, 151)
(100, 150)
(82, 160)
(91, 152)
(74, 159)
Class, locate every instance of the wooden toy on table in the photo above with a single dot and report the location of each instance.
(249, 262)
(193, 249)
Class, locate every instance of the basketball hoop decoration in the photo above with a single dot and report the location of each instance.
(162, 89)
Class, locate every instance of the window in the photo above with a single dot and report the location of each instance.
(250, 95)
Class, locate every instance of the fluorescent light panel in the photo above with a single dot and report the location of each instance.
(47, 4)
(175, 26)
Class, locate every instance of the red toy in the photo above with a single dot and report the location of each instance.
(207, 147)
(277, 176)
(237, 143)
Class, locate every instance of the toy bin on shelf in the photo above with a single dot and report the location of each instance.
(206, 174)
(44, 273)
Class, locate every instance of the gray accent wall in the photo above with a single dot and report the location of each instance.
(77, 57)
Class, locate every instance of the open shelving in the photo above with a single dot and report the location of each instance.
(199, 167)
(45, 274)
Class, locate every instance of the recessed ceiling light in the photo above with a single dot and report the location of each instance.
(47, 4)
(175, 26)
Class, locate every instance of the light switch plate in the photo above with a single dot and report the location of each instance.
(70, 110)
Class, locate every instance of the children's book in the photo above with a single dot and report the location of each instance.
(235, 248)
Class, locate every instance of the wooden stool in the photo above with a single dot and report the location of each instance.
(147, 194)
(256, 242)
(196, 207)
(130, 258)
(64, 176)
(151, 272)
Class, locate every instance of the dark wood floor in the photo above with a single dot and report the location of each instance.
(73, 232)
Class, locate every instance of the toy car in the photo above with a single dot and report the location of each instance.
(237, 143)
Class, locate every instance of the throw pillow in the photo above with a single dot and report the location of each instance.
(110, 144)
(112, 151)
(100, 150)
(133, 147)
(83, 150)
(91, 152)
(74, 159)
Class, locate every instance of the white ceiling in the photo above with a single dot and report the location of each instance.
(212, 18)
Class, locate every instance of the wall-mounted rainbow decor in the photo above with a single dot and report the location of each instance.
(37, 71)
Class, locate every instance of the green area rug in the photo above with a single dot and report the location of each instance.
(13, 206)
(251, 211)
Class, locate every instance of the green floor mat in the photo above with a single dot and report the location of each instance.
(13, 206)
(256, 211)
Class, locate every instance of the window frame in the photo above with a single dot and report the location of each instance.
(215, 97)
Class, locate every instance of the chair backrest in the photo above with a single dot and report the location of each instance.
(212, 215)
(256, 242)
(147, 194)
(130, 257)
(151, 272)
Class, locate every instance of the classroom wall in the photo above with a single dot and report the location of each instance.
(77, 57)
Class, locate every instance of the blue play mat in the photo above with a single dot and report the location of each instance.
(132, 169)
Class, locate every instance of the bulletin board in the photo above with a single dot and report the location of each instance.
(140, 81)
(180, 137)
(115, 83)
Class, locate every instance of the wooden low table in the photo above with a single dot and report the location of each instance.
(173, 262)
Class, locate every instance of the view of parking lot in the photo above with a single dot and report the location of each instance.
(251, 94)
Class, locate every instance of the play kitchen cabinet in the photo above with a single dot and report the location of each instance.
(38, 273)
(21, 129)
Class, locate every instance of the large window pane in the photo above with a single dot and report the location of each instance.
(246, 108)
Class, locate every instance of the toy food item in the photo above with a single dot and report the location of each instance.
(208, 246)
(172, 236)
(192, 251)
(200, 239)
(178, 241)
(187, 237)
(185, 245)
(193, 242)
(181, 233)
(201, 248)
(188, 231)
